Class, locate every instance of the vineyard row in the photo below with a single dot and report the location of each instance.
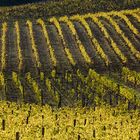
(71, 22)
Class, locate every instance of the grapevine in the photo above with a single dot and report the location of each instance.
(34, 85)
(52, 54)
(3, 56)
(18, 45)
(34, 47)
(67, 51)
(106, 34)
(119, 31)
(17, 82)
(94, 40)
(79, 43)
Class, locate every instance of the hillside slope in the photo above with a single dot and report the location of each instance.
(72, 60)
(68, 75)
(104, 41)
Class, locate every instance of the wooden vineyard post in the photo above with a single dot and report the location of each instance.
(17, 135)
(56, 117)
(3, 124)
(135, 107)
(83, 100)
(78, 137)
(104, 128)
(43, 131)
(85, 121)
(30, 107)
(42, 98)
(60, 101)
(113, 113)
(118, 89)
(94, 107)
(94, 134)
(116, 97)
(66, 129)
(43, 128)
(135, 83)
(38, 70)
(27, 120)
(129, 105)
(74, 122)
